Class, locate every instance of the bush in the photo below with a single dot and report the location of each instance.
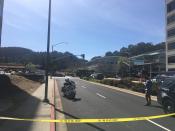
(86, 78)
(34, 77)
(107, 82)
(139, 87)
(126, 82)
(116, 83)
(122, 86)
(155, 88)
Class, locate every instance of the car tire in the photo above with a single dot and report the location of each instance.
(168, 106)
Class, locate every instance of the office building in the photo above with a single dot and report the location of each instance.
(170, 35)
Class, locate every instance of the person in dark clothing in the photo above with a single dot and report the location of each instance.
(148, 91)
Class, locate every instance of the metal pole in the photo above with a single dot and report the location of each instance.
(159, 64)
(52, 48)
(129, 67)
(48, 55)
(150, 71)
(1, 19)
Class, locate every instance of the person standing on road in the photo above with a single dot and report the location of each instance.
(148, 91)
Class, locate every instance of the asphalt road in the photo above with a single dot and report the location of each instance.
(94, 101)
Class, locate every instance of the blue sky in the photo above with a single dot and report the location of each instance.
(92, 27)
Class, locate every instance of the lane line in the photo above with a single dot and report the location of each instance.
(84, 87)
(101, 95)
(166, 129)
(121, 90)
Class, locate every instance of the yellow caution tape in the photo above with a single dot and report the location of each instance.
(107, 120)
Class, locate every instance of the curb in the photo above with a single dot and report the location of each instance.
(52, 115)
(59, 106)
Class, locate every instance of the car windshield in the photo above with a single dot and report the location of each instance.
(86, 65)
(168, 83)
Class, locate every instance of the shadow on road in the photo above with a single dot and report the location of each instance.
(23, 106)
(74, 117)
(73, 100)
(155, 106)
(76, 99)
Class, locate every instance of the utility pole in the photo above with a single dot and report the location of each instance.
(48, 54)
(1, 19)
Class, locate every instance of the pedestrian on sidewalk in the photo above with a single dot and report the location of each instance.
(148, 91)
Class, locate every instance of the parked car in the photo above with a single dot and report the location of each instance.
(161, 78)
(2, 72)
(98, 76)
(166, 95)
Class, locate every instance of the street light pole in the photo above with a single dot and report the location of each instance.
(58, 44)
(48, 54)
(1, 19)
(52, 48)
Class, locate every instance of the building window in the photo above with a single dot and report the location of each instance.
(171, 6)
(171, 60)
(171, 32)
(171, 19)
(171, 46)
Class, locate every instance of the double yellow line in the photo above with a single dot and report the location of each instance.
(107, 120)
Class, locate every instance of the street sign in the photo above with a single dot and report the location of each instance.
(138, 62)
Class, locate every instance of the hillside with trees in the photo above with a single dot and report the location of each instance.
(58, 60)
(136, 49)
(117, 62)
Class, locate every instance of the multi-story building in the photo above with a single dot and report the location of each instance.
(153, 63)
(170, 35)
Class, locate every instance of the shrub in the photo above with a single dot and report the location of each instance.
(34, 77)
(126, 82)
(107, 82)
(86, 78)
(155, 88)
(115, 83)
(122, 86)
(139, 87)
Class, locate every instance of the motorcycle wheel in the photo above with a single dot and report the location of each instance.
(71, 96)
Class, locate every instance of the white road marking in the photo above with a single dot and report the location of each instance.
(122, 90)
(101, 95)
(166, 129)
(84, 87)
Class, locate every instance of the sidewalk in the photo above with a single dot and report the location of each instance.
(33, 108)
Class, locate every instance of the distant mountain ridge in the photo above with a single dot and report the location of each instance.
(58, 60)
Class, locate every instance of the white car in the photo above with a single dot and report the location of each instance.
(2, 72)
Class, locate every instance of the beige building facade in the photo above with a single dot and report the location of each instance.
(170, 35)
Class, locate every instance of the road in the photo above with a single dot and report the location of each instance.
(95, 101)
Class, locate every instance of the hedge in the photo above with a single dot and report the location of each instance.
(127, 84)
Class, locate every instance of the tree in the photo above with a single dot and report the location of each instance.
(116, 53)
(109, 53)
(122, 66)
(31, 67)
(58, 61)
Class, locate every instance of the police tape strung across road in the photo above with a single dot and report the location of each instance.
(108, 120)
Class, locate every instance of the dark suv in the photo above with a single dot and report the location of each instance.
(166, 95)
